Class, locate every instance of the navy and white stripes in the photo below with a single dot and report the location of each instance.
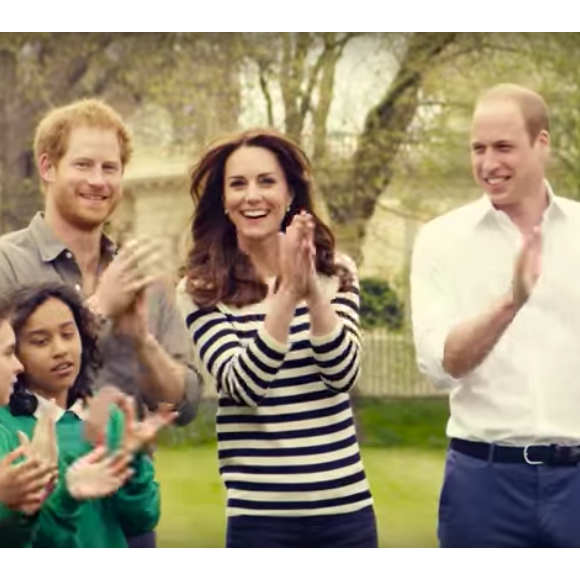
(286, 435)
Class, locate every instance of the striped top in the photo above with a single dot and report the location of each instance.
(286, 435)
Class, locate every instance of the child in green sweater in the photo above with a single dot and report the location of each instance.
(56, 342)
(29, 470)
(23, 480)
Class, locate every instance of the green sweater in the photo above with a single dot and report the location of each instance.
(64, 522)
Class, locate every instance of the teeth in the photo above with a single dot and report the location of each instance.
(496, 180)
(255, 213)
(94, 197)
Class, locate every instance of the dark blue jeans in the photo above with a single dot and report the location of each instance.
(148, 540)
(353, 530)
(508, 505)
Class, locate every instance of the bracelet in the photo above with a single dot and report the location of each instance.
(100, 318)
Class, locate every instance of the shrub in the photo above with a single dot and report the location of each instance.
(380, 305)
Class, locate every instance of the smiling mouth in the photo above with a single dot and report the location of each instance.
(496, 180)
(255, 214)
(94, 196)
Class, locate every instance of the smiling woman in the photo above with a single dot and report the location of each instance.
(255, 202)
(273, 312)
(246, 189)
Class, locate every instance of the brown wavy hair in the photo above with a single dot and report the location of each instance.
(217, 270)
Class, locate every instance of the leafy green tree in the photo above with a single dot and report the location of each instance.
(194, 75)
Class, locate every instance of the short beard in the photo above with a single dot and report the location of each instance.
(87, 226)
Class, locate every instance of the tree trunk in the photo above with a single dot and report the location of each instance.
(294, 53)
(19, 198)
(385, 130)
(332, 55)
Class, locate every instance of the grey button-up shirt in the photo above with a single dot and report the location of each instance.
(34, 255)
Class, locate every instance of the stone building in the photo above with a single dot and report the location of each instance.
(156, 201)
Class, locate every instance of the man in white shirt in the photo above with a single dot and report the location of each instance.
(495, 298)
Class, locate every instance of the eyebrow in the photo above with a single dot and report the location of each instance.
(493, 143)
(265, 174)
(91, 160)
(45, 330)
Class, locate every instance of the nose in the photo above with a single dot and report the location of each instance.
(489, 162)
(59, 347)
(96, 177)
(252, 192)
(18, 367)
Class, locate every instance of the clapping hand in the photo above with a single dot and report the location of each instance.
(139, 263)
(24, 486)
(140, 434)
(297, 255)
(98, 474)
(306, 247)
(133, 322)
(99, 412)
(137, 434)
(42, 454)
(44, 444)
(528, 267)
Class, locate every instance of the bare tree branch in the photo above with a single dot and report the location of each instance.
(313, 78)
(263, 78)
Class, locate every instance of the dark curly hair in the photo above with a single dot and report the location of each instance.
(217, 270)
(24, 302)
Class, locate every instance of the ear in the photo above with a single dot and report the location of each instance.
(46, 168)
(543, 140)
(290, 199)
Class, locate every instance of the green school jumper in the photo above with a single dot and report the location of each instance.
(64, 522)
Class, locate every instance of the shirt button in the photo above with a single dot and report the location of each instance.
(68, 255)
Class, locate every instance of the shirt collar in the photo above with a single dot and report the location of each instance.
(484, 209)
(46, 406)
(50, 247)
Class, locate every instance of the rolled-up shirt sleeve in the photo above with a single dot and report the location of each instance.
(173, 337)
(434, 308)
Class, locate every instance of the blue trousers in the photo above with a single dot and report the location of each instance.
(353, 530)
(508, 505)
(148, 540)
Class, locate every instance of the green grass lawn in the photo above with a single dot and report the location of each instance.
(405, 484)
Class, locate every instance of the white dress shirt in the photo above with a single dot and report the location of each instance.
(527, 390)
